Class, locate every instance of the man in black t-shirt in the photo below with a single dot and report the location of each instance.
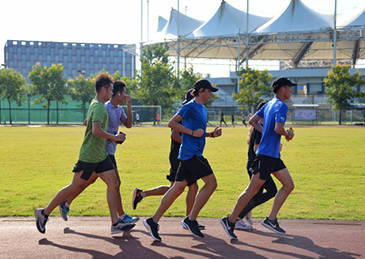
(139, 194)
(269, 185)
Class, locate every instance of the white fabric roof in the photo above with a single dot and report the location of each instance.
(298, 33)
(297, 17)
(187, 24)
(228, 21)
(358, 20)
(161, 23)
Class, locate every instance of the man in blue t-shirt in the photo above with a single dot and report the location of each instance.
(268, 159)
(193, 165)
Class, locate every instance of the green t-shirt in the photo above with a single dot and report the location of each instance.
(93, 148)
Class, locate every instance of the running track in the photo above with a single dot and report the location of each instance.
(89, 237)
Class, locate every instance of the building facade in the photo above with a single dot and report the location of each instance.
(76, 58)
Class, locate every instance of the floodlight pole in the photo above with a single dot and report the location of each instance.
(238, 62)
(334, 35)
(178, 40)
(148, 20)
(247, 11)
(141, 44)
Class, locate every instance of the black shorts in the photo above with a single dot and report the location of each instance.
(265, 165)
(112, 157)
(193, 169)
(89, 168)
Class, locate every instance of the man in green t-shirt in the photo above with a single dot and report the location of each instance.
(93, 158)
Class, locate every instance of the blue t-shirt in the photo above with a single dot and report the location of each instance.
(116, 117)
(273, 111)
(194, 117)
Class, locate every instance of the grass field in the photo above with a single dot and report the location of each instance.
(327, 165)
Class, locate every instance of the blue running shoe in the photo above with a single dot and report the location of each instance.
(126, 218)
(64, 209)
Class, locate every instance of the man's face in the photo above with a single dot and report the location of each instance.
(288, 92)
(121, 96)
(107, 92)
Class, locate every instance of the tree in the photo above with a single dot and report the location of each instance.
(254, 86)
(155, 83)
(340, 87)
(48, 83)
(12, 85)
(82, 90)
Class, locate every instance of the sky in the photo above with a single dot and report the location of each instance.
(119, 21)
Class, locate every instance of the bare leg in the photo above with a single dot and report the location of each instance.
(169, 197)
(160, 190)
(288, 185)
(78, 184)
(113, 195)
(91, 180)
(253, 187)
(203, 195)
(119, 198)
(190, 197)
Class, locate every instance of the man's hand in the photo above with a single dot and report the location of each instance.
(120, 138)
(217, 132)
(127, 98)
(290, 135)
(197, 133)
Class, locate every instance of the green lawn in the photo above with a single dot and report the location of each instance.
(327, 165)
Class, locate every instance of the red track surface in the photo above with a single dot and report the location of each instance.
(89, 237)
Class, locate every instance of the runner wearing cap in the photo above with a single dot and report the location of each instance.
(139, 194)
(268, 159)
(193, 165)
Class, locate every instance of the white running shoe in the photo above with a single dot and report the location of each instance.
(240, 224)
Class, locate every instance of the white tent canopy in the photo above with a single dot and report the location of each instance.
(297, 17)
(187, 24)
(161, 23)
(358, 20)
(228, 20)
(297, 34)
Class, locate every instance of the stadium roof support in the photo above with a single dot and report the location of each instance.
(298, 35)
(355, 53)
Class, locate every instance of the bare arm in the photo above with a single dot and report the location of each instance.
(255, 122)
(97, 130)
(217, 132)
(176, 136)
(128, 122)
(175, 125)
(279, 129)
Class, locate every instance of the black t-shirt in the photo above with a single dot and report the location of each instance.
(254, 140)
(174, 153)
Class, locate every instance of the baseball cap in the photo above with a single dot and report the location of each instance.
(281, 81)
(188, 96)
(204, 83)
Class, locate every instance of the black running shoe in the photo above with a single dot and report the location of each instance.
(137, 197)
(228, 227)
(193, 226)
(40, 220)
(273, 225)
(152, 227)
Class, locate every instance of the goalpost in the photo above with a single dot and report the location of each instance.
(146, 114)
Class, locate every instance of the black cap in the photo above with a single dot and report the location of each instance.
(188, 95)
(281, 81)
(204, 83)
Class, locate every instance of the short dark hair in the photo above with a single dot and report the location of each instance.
(118, 86)
(103, 80)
